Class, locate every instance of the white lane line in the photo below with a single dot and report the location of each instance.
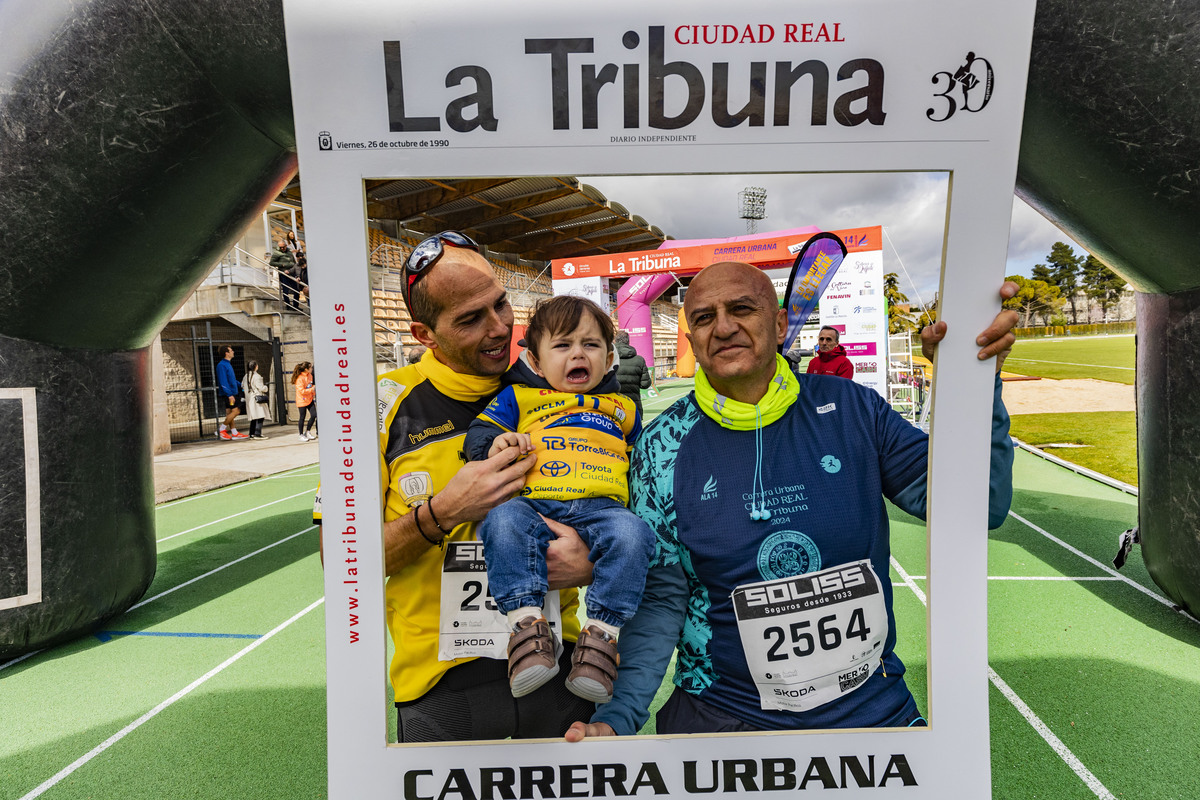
(1066, 363)
(908, 580)
(291, 473)
(144, 718)
(238, 514)
(223, 566)
(19, 659)
(1037, 578)
(1103, 567)
(1055, 743)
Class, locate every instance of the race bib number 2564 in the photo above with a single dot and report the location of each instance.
(812, 638)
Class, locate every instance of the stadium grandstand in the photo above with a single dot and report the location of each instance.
(522, 223)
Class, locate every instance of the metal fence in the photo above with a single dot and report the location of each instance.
(195, 402)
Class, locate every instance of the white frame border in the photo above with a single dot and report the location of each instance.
(952, 757)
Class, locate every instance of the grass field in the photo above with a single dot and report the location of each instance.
(1105, 358)
(1110, 439)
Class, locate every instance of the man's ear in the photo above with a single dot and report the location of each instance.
(423, 334)
(781, 324)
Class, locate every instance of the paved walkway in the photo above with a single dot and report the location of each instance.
(197, 467)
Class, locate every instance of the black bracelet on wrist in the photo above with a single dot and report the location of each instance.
(432, 516)
(417, 519)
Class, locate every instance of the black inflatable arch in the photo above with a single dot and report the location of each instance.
(139, 137)
(137, 140)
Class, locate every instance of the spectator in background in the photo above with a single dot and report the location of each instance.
(830, 358)
(230, 391)
(415, 352)
(293, 246)
(284, 261)
(632, 372)
(254, 389)
(291, 243)
(306, 398)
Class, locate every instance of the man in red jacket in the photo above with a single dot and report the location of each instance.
(830, 357)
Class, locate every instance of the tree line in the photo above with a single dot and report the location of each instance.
(1061, 283)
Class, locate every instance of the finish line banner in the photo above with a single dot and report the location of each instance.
(429, 94)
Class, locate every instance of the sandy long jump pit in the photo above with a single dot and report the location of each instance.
(1048, 396)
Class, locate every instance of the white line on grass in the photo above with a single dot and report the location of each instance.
(1066, 363)
(238, 514)
(1037, 578)
(19, 659)
(243, 484)
(223, 566)
(1104, 567)
(144, 718)
(1055, 743)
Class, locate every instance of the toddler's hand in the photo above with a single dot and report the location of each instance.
(507, 440)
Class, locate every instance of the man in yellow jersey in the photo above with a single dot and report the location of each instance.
(449, 669)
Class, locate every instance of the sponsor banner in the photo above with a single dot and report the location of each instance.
(767, 253)
(816, 264)
(593, 288)
(860, 349)
(853, 303)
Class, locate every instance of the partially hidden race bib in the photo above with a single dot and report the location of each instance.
(812, 638)
(470, 625)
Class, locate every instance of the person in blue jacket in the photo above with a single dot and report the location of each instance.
(770, 575)
(230, 388)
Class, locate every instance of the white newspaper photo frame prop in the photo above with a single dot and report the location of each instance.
(490, 90)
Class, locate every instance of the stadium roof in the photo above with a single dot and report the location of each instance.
(528, 218)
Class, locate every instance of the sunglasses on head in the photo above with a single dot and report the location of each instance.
(426, 254)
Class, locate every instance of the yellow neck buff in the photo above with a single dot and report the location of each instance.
(456, 384)
(735, 415)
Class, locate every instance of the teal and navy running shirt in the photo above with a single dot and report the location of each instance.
(826, 466)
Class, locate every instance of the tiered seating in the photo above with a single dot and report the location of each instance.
(526, 287)
(391, 319)
(386, 252)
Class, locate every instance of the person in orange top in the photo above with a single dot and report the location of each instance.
(306, 398)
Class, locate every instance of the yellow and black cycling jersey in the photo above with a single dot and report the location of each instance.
(581, 441)
(424, 412)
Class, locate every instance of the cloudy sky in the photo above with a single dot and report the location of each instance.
(911, 207)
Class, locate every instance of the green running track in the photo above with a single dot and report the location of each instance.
(214, 685)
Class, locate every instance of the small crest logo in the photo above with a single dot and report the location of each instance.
(784, 554)
(416, 487)
(709, 491)
(325, 140)
(831, 464)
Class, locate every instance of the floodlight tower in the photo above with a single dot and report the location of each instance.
(753, 206)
